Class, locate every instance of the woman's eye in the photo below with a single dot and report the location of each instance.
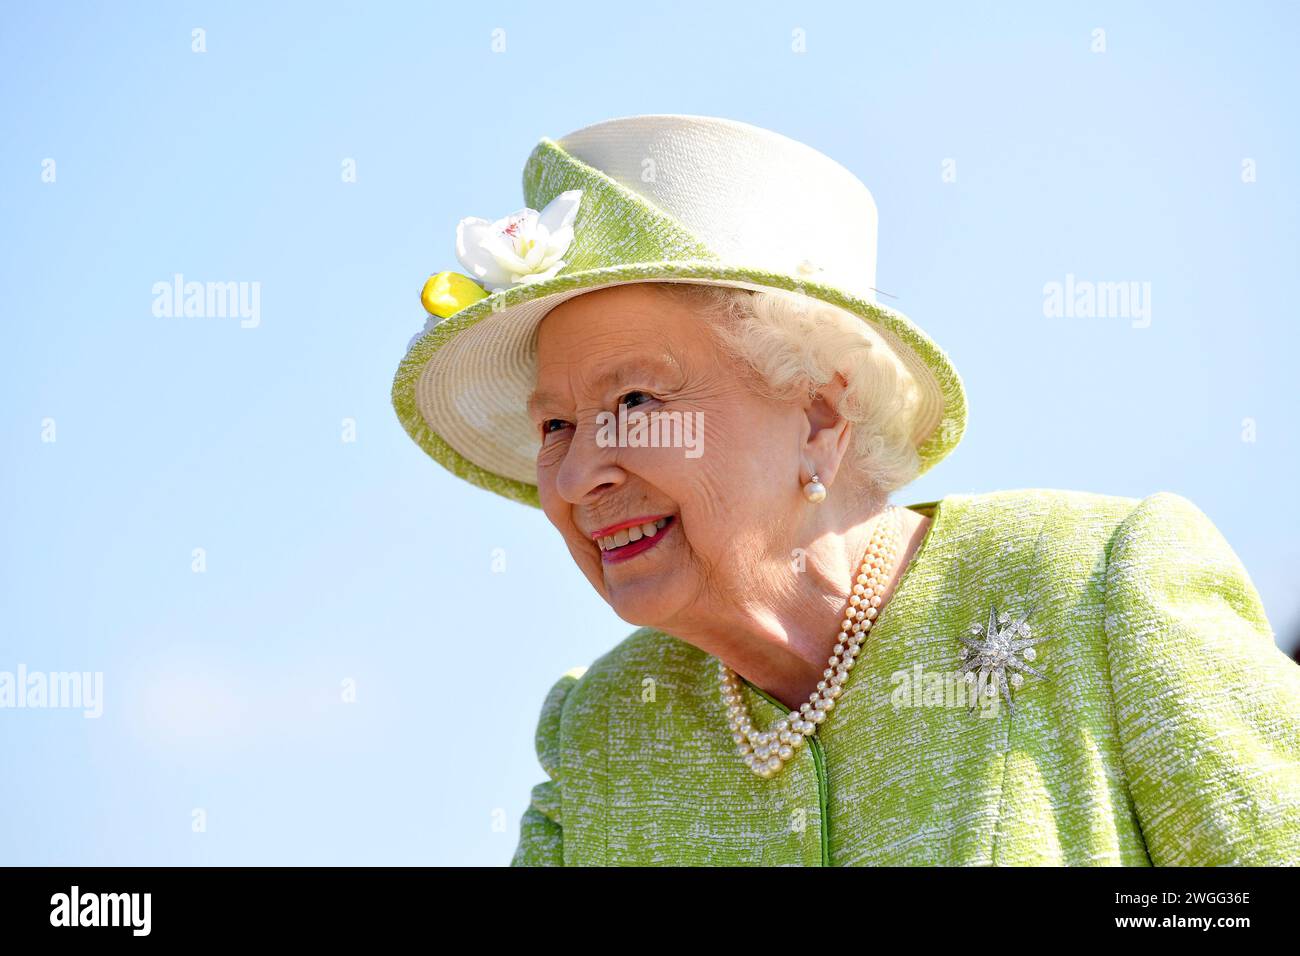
(627, 399)
(546, 425)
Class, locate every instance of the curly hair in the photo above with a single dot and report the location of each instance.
(793, 344)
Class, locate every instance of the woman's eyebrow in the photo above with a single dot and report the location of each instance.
(628, 371)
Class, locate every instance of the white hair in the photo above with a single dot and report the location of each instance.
(795, 343)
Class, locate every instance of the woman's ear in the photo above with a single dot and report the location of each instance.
(828, 434)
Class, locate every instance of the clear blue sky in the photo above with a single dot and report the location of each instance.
(329, 561)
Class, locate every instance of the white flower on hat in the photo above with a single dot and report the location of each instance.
(526, 246)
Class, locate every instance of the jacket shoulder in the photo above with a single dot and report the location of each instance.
(1033, 499)
(1126, 517)
(644, 652)
(1019, 522)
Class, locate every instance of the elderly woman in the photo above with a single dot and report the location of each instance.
(680, 360)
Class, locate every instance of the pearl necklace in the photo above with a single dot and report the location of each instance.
(766, 752)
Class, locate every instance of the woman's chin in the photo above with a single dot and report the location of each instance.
(640, 603)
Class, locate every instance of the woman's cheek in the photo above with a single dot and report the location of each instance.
(549, 457)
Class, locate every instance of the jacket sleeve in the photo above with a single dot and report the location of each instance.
(1207, 706)
(541, 834)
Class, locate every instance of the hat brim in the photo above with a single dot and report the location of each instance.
(462, 388)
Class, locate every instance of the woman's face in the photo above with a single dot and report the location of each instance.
(731, 498)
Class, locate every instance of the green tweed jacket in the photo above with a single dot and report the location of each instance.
(1166, 728)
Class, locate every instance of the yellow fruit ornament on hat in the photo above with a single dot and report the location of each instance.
(447, 293)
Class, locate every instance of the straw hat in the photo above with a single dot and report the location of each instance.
(637, 199)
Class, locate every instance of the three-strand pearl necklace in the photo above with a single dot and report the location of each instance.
(766, 751)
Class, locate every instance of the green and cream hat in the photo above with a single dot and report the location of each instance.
(659, 198)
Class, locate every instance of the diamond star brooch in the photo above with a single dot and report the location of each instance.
(989, 652)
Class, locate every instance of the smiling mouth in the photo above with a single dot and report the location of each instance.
(629, 542)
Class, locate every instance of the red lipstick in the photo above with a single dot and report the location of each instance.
(639, 546)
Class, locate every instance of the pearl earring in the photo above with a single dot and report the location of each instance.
(815, 491)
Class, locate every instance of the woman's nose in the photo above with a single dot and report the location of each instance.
(589, 468)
